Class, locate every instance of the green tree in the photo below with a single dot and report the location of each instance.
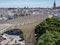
(22, 36)
(49, 38)
(51, 24)
(48, 32)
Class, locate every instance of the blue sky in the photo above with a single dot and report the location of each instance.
(27, 3)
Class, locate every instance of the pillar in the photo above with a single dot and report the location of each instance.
(30, 38)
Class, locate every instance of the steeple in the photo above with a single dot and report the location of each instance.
(54, 5)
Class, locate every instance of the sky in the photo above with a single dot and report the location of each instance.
(27, 3)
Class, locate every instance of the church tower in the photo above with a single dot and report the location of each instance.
(54, 5)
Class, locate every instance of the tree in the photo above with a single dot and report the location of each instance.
(51, 24)
(22, 36)
(48, 32)
(49, 38)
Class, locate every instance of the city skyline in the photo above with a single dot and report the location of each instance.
(28, 3)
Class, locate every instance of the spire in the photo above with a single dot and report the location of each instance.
(54, 5)
(54, 2)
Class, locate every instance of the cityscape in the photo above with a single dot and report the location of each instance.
(30, 26)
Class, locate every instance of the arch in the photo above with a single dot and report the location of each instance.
(17, 34)
(13, 29)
